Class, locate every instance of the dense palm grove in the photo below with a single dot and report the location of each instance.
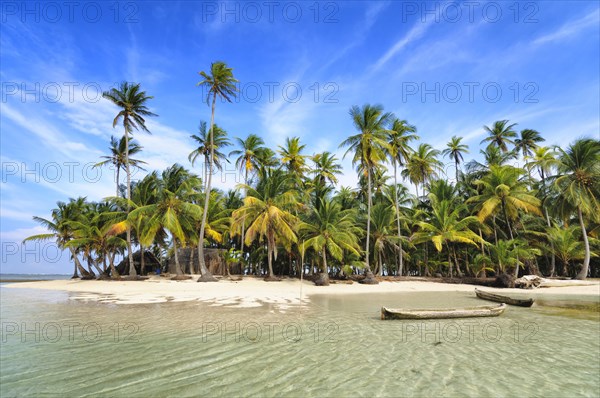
(467, 218)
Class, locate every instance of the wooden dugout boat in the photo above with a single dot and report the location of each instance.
(504, 299)
(468, 312)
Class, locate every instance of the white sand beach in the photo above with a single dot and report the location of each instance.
(252, 292)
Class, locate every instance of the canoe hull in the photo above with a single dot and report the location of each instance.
(504, 299)
(483, 311)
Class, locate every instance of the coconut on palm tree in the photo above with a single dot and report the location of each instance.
(369, 147)
(132, 102)
(219, 83)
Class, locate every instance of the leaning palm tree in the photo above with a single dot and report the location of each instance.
(133, 108)
(500, 134)
(248, 160)
(330, 230)
(578, 183)
(61, 229)
(399, 150)
(118, 156)
(369, 147)
(268, 212)
(219, 83)
(455, 150)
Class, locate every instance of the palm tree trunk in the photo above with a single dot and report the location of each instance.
(206, 276)
(117, 178)
(586, 259)
(450, 265)
(368, 268)
(142, 260)
(244, 219)
(325, 275)
(132, 271)
(270, 253)
(78, 265)
(75, 273)
(400, 255)
(177, 267)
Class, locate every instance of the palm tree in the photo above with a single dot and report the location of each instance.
(527, 142)
(454, 151)
(268, 212)
(329, 229)
(204, 147)
(422, 165)
(502, 190)
(566, 244)
(249, 158)
(292, 158)
(369, 151)
(173, 211)
(62, 230)
(220, 83)
(578, 183)
(384, 236)
(545, 160)
(447, 225)
(401, 133)
(133, 104)
(326, 168)
(500, 134)
(118, 156)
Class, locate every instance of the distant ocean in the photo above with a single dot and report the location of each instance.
(4, 278)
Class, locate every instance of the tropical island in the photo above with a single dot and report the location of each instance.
(525, 209)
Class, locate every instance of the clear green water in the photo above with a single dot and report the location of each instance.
(177, 349)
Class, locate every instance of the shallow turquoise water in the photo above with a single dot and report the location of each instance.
(333, 346)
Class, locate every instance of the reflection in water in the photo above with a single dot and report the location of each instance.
(331, 346)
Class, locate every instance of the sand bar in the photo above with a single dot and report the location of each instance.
(251, 291)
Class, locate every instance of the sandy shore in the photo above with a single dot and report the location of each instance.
(251, 292)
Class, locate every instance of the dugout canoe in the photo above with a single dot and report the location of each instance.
(504, 299)
(468, 312)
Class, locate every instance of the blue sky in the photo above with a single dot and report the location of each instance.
(447, 67)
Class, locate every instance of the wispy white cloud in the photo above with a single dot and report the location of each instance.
(571, 28)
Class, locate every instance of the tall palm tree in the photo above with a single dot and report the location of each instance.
(61, 229)
(369, 152)
(578, 183)
(454, 151)
(219, 83)
(248, 160)
(544, 159)
(330, 230)
(132, 102)
(500, 134)
(399, 150)
(268, 211)
(422, 165)
(118, 156)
